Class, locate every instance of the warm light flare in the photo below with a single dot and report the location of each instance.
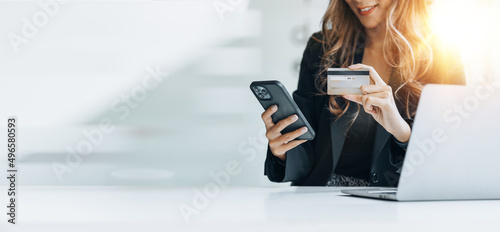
(474, 27)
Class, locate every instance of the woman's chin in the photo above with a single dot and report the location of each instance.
(371, 25)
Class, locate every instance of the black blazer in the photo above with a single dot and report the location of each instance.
(311, 163)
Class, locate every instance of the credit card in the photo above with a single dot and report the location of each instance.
(344, 81)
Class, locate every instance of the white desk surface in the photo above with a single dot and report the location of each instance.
(238, 209)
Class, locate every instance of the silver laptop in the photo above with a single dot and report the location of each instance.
(454, 149)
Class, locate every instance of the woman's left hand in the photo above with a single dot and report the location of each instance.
(378, 101)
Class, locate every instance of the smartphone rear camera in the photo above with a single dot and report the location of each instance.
(261, 92)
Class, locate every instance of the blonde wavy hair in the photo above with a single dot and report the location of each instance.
(409, 48)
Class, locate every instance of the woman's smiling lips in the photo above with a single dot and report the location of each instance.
(366, 10)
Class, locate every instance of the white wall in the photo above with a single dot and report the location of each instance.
(89, 59)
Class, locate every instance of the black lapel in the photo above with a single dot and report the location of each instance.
(381, 138)
(338, 130)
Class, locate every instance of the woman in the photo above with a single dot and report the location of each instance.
(360, 139)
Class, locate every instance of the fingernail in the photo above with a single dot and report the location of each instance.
(274, 107)
(303, 129)
(294, 117)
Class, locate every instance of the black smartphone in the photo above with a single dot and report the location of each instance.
(274, 93)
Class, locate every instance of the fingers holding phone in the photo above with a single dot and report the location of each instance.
(281, 143)
(286, 126)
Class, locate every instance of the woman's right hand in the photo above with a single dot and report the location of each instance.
(278, 143)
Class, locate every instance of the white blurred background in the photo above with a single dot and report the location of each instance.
(72, 66)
